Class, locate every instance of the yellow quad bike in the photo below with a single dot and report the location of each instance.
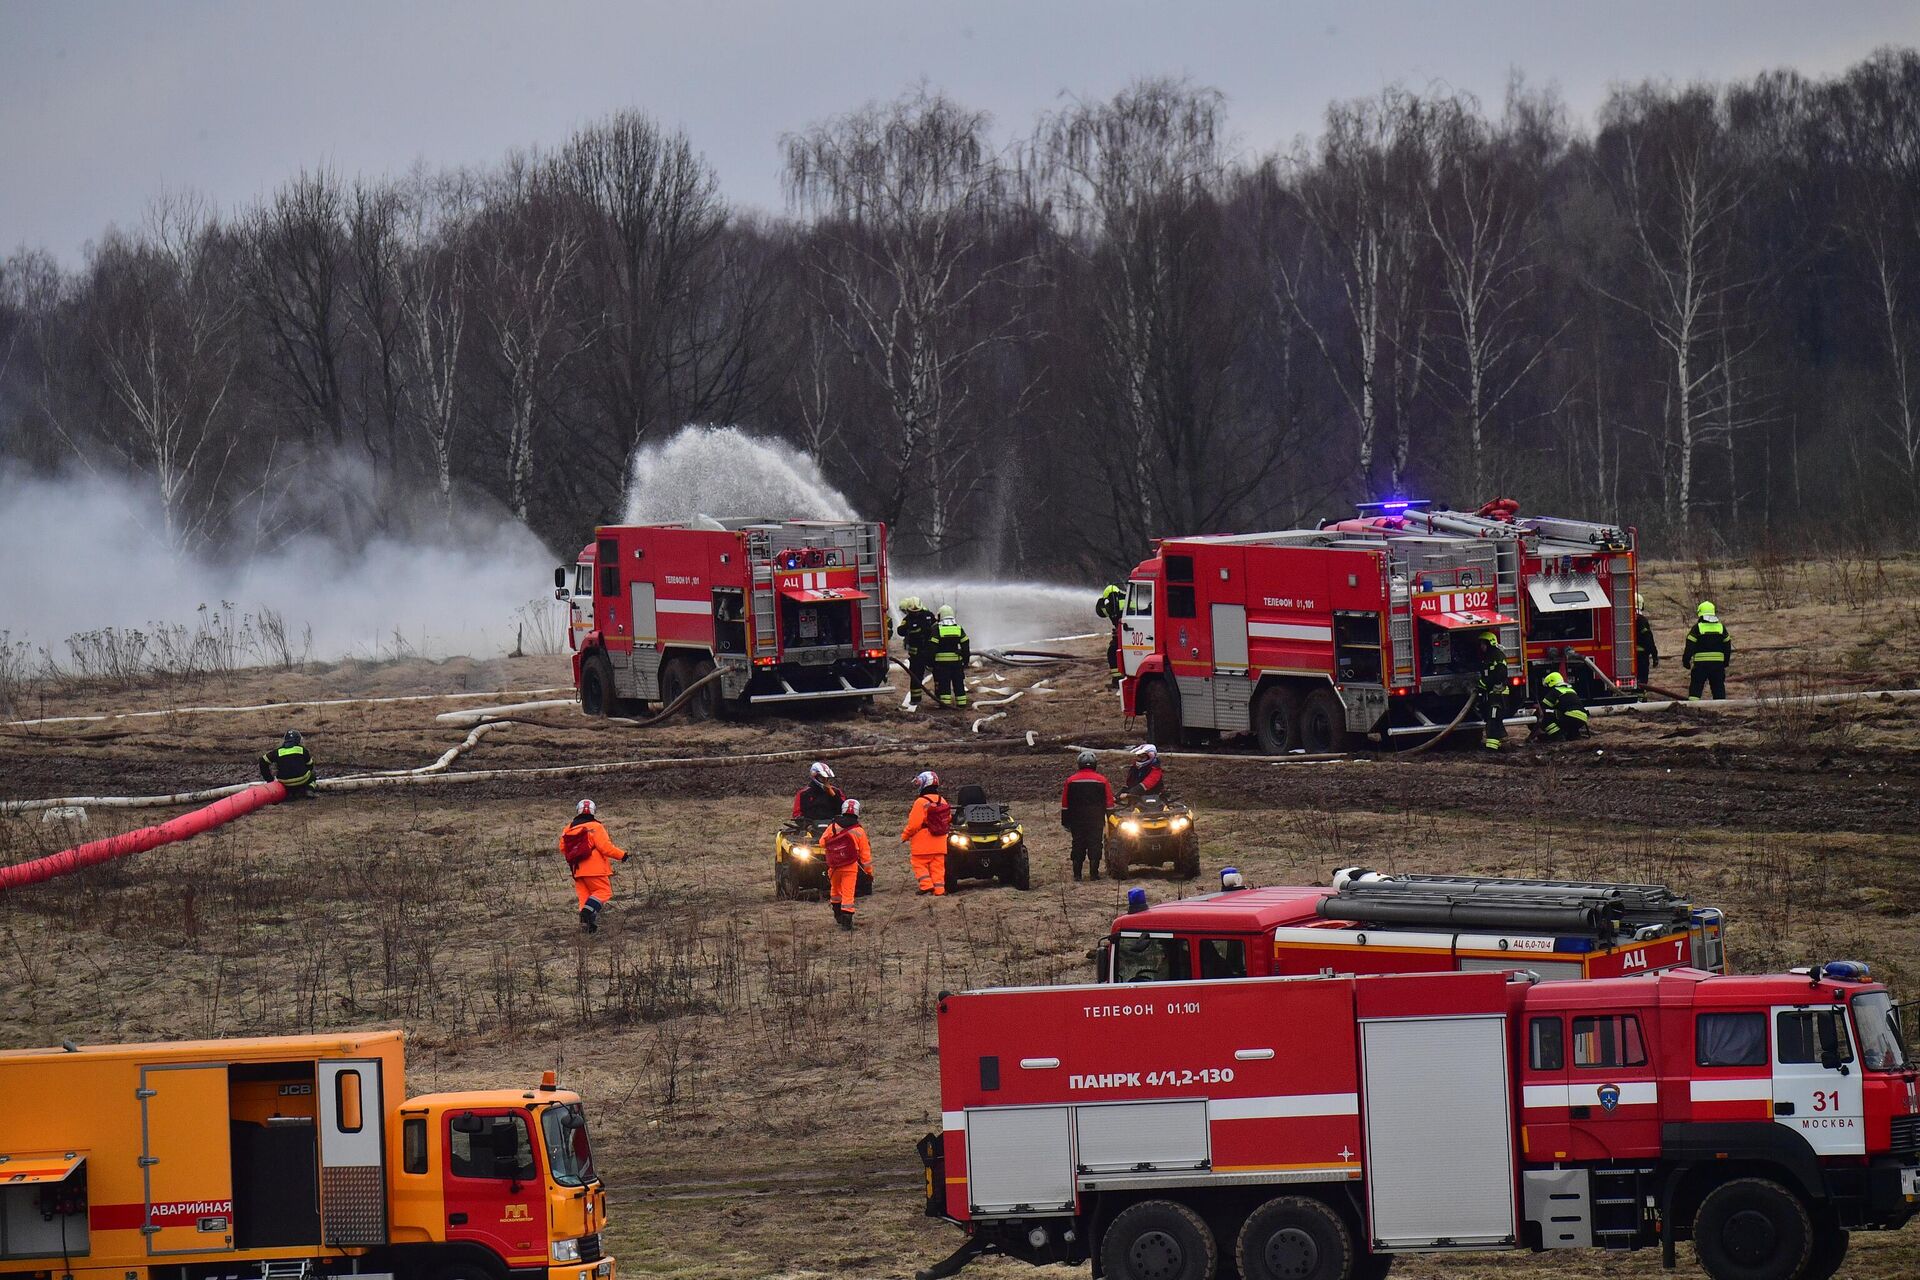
(1151, 831)
(986, 843)
(800, 864)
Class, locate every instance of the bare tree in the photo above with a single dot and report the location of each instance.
(906, 196)
(165, 334)
(294, 274)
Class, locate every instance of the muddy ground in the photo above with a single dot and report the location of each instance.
(757, 1079)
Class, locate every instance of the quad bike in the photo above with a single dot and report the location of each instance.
(1151, 831)
(800, 864)
(986, 843)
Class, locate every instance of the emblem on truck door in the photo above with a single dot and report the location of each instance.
(1609, 1096)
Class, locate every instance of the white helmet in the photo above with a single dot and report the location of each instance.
(910, 604)
(1146, 751)
(819, 770)
(586, 807)
(851, 808)
(946, 613)
(926, 778)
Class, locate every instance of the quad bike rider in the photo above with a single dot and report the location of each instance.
(1146, 828)
(799, 863)
(985, 843)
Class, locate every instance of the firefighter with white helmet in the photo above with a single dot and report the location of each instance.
(1564, 714)
(917, 626)
(1708, 653)
(1490, 692)
(848, 854)
(925, 835)
(952, 650)
(819, 800)
(590, 855)
(1084, 803)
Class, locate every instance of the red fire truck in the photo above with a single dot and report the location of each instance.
(785, 610)
(1576, 582)
(1315, 1128)
(1311, 638)
(1369, 923)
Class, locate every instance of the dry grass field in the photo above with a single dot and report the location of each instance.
(756, 1078)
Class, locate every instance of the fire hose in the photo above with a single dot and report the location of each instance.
(485, 716)
(184, 827)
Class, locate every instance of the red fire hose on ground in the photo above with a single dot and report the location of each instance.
(184, 827)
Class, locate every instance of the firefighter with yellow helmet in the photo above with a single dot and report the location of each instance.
(917, 625)
(1708, 653)
(1561, 709)
(1490, 692)
(952, 650)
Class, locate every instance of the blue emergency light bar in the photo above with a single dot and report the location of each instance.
(1392, 505)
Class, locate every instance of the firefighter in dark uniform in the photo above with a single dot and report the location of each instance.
(1646, 651)
(292, 764)
(1562, 710)
(1709, 650)
(951, 653)
(917, 626)
(819, 800)
(1490, 692)
(1111, 604)
(1084, 802)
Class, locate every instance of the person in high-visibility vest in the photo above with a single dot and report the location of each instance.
(1490, 692)
(917, 625)
(590, 855)
(1562, 710)
(1646, 650)
(951, 653)
(1111, 604)
(292, 764)
(1709, 651)
(848, 854)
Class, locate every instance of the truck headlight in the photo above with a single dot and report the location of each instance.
(566, 1251)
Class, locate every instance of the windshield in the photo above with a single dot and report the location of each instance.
(1879, 1032)
(564, 1125)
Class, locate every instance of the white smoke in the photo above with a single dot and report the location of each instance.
(82, 554)
(723, 471)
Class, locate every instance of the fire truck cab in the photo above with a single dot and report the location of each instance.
(1310, 640)
(1370, 923)
(1576, 580)
(1315, 1128)
(294, 1157)
(777, 611)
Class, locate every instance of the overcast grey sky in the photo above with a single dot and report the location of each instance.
(102, 105)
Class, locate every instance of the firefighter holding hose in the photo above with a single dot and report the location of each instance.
(1111, 604)
(917, 626)
(848, 854)
(292, 764)
(1490, 692)
(1560, 706)
(590, 855)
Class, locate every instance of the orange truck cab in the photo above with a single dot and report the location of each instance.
(286, 1158)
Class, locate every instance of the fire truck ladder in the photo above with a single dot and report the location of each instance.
(765, 606)
(1593, 908)
(286, 1269)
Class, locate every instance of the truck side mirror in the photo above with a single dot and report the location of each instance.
(1830, 1043)
(560, 578)
(1103, 960)
(467, 1122)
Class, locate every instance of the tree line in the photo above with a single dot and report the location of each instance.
(1697, 313)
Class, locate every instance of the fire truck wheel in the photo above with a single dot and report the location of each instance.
(1158, 1240)
(1752, 1229)
(596, 687)
(1276, 719)
(1162, 713)
(1294, 1238)
(1323, 723)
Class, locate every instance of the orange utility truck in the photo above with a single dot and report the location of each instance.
(286, 1158)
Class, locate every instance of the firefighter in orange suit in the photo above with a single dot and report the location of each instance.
(848, 854)
(590, 853)
(926, 835)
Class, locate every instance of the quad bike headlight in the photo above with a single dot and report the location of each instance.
(802, 854)
(1181, 824)
(959, 841)
(1130, 827)
(1013, 837)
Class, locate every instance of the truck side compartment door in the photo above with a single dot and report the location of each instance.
(188, 1163)
(353, 1181)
